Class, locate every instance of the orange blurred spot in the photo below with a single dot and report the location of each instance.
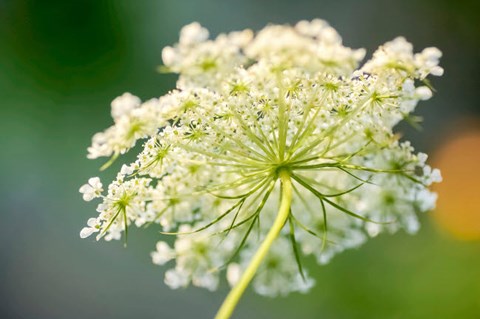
(458, 207)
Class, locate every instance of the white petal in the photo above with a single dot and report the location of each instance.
(206, 280)
(168, 55)
(175, 279)
(423, 93)
(163, 254)
(92, 222)
(85, 188)
(234, 271)
(437, 71)
(373, 229)
(86, 232)
(94, 181)
(193, 33)
(88, 196)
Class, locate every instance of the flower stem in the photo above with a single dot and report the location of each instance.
(236, 293)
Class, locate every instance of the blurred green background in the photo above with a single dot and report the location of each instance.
(62, 62)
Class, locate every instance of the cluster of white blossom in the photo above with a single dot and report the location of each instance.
(247, 107)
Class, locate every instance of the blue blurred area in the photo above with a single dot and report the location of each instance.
(62, 62)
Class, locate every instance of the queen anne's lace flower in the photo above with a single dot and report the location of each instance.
(92, 189)
(287, 117)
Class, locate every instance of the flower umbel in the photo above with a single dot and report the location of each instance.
(274, 146)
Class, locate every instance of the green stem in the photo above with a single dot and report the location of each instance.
(236, 293)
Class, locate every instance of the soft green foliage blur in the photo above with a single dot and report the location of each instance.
(62, 62)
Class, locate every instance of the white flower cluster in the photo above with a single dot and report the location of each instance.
(247, 107)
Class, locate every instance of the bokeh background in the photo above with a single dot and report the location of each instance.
(62, 62)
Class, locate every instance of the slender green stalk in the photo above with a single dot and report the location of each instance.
(236, 293)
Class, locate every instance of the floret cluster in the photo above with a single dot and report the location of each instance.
(248, 108)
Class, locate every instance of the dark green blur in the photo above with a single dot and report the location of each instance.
(62, 62)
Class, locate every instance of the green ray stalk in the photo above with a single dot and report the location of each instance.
(237, 291)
